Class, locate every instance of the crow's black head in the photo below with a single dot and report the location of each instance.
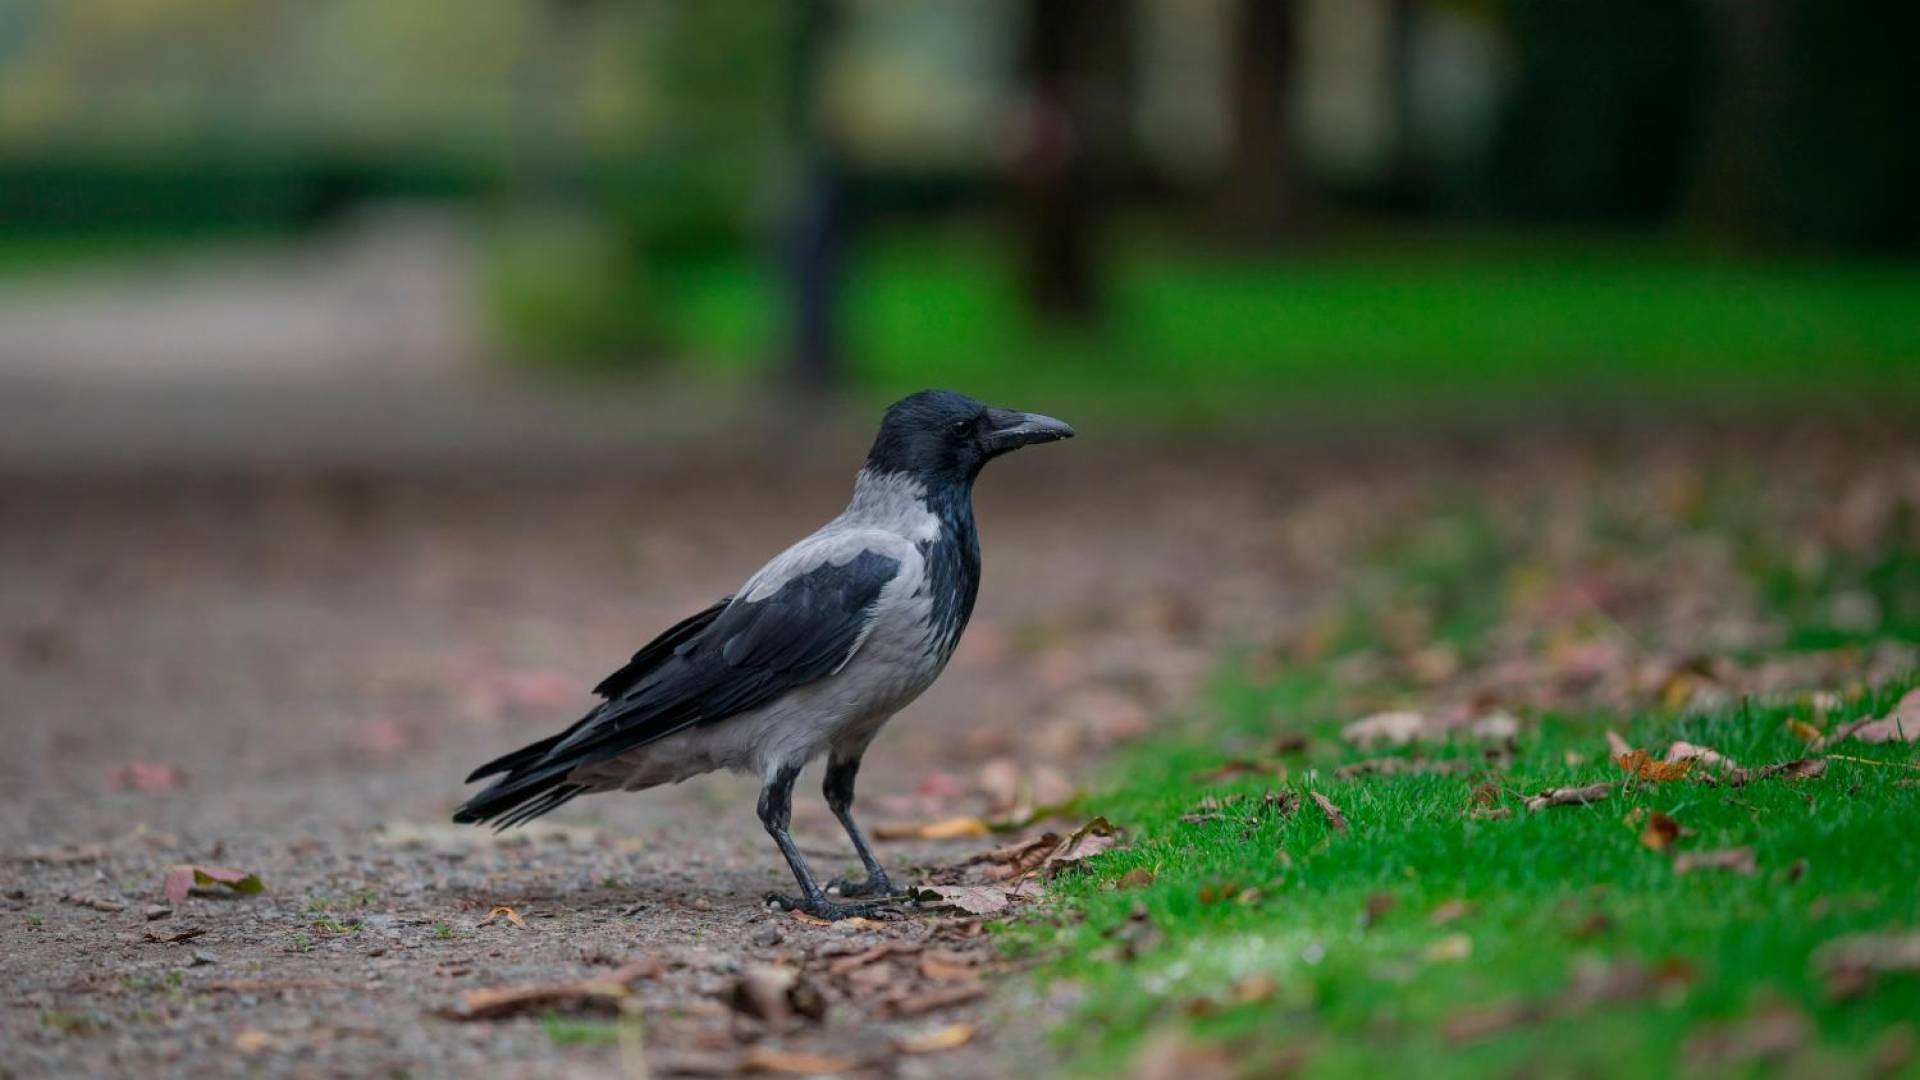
(941, 435)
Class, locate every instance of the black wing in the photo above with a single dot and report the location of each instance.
(724, 661)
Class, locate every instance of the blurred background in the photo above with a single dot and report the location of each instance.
(1199, 210)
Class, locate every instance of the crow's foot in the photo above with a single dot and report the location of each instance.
(875, 885)
(829, 910)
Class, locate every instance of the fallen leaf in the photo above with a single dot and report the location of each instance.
(763, 991)
(999, 781)
(185, 933)
(972, 899)
(768, 1060)
(1137, 878)
(1397, 728)
(602, 993)
(1901, 724)
(934, 1000)
(1579, 796)
(182, 880)
(1451, 911)
(1798, 769)
(1453, 947)
(1333, 815)
(1238, 767)
(149, 777)
(1806, 733)
(252, 1040)
(1770, 1034)
(945, 1037)
(1255, 988)
(945, 966)
(1849, 963)
(1738, 860)
(1496, 726)
(511, 916)
(1682, 750)
(1616, 745)
(1639, 764)
(809, 919)
(1378, 906)
(1660, 833)
(953, 828)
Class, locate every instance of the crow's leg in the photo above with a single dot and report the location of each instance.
(838, 789)
(776, 813)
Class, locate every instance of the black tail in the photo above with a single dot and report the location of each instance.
(518, 798)
(536, 783)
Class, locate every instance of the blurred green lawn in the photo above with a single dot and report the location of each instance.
(1389, 325)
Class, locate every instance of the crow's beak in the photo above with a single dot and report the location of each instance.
(1011, 430)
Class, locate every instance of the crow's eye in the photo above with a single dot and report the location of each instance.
(961, 427)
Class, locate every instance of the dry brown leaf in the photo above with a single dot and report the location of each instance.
(934, 1000)
(1738, 860)
(763, 991)
(1137, 878)
(772, 1061)
(1578, 796)
(1333, 815)
(1397, 728)
(953, 828)
(945, 1037)
(149, 777)
(844, 964)
(972, 899)
(1616, 745)
(1682, 750)
(182, 880)
(1660, 832)
(1798, 769)
(1254, 988)
(942, 966)
(502, 911)
(602, 993)
(1239, 767)
(1451, 911)
(1453, 947)
(1640, 764)
(809, 920)
(1806, 733)
(1850, 963)
(252, 1041)
(1901, 724)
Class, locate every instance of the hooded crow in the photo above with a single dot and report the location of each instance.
(811, 656)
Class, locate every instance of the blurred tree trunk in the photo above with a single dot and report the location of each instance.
(1746, 39)
(816, 255)
(1055, 174)
(1264, 194)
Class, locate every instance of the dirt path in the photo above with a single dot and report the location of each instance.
(301, 667)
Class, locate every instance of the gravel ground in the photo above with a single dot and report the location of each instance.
(288, 673)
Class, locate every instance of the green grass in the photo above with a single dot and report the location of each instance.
(1554, 893)
(1408, 322)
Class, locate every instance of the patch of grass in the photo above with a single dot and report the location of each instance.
(1407, 323)
(335, 927)
(299, 943)
(443, 930)
(572, 1031)
(76, 1023)
(1254, 933)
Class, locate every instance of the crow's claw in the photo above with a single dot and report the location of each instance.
(824, 908)
(875, 885)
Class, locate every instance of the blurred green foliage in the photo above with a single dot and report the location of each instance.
(1400, 323)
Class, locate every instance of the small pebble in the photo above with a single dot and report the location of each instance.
(202, 958)
(702, 904)
(768, 936)
(158, 911)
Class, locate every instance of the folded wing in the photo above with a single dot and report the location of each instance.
(800, 620)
